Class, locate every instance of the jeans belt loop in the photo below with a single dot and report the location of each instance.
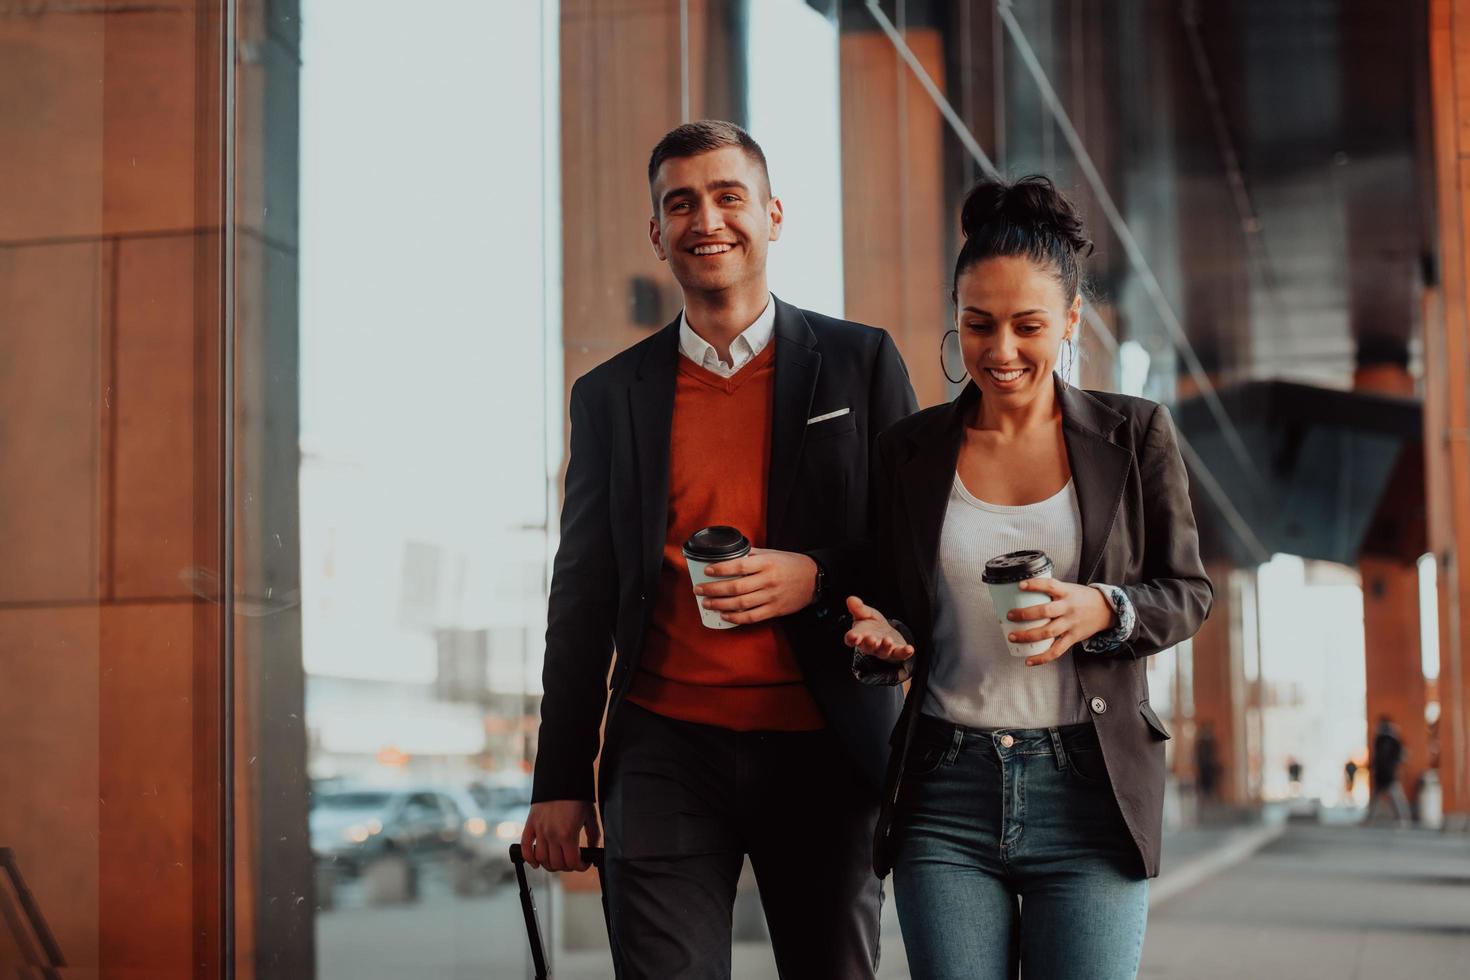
(1056, 747)
(955, 743)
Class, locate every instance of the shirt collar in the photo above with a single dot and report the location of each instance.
(752, 340)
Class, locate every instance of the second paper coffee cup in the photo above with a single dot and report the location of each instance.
(710, 546)
(1004, 575)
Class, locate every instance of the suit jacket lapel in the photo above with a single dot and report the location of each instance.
(651, 402)
(797, 365)
(927, 478)
(1099, 471)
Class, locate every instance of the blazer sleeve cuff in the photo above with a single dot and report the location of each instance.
(1110, 640)
(883, 673)
(553, 781)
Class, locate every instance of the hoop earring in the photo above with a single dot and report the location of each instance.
(944, 367)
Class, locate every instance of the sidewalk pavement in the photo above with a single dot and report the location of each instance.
(1324, 902)
(1195, 855)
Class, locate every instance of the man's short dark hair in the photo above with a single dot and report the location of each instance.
(692, 139)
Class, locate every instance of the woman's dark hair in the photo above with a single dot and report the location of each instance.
(1029, 217)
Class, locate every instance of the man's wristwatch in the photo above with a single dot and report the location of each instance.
(821, 586)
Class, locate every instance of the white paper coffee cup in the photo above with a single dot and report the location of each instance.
(710, 546)
(1003, 576)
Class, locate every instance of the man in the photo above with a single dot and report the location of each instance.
(720, 743)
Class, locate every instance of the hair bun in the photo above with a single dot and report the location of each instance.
(1031, 204)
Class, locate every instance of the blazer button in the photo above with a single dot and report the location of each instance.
(1098, 706)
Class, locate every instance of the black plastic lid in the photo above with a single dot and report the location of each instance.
(1017, 566)
(718, 542)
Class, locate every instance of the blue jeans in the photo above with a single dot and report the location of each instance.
(1012, 851)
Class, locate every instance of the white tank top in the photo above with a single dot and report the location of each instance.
(974, 681)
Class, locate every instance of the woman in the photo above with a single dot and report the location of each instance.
(1024, 795)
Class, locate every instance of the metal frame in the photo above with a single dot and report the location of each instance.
(44, 938)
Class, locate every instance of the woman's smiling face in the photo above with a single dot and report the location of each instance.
(1012, 319)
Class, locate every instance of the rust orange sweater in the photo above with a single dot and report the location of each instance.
(744, 678)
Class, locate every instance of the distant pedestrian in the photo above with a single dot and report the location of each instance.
(1350, 771)
(1206, 762)
(1294, 774)
(1384, 760)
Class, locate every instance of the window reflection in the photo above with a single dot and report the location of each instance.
(424, 339)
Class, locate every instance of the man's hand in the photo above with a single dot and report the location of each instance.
(553, 833)
(871, 634)
(771, 584)
(1077, 614)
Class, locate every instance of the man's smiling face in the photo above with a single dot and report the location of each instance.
(715, 219)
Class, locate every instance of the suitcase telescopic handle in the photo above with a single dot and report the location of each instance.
(592, 856)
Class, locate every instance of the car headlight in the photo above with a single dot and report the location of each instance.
(509, 829)
(358, 833)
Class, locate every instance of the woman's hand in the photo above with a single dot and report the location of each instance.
(1077, 613)
(871, 634)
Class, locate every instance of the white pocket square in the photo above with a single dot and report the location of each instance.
(830, 415)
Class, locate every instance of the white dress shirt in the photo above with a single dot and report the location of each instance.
(752, 340)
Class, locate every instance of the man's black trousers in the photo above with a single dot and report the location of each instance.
(685, 803)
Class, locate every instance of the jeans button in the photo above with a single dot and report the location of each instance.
(1006, 741)
(1098, 706)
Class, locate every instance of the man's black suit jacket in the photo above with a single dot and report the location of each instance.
(615, 519)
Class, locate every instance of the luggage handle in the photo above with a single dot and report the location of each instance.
(591, 855)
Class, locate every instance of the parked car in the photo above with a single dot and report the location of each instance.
(480, 845)
(505, 803)
(351, 827)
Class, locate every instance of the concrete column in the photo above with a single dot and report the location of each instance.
(1447, 392)
(113, 283)
(112, 523)
(1219, 694)
(894, 221)
(1395, 676)
(1223, 709)
(273, 888)
(1392, 637)
(612, 116)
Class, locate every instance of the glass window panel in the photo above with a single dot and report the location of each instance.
(111, 566)
(409, 490)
